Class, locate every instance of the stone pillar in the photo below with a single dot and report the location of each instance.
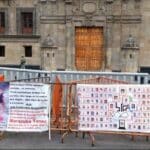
(130, 59)
(108, 59)
(69, 35)
(49, 58)
(69, 46)
(48, 52)
(130, 56)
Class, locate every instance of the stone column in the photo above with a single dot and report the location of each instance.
(69, 37)
(130, 55)
(130, 59)
(108, 58)
(48, 52)
(49, 58)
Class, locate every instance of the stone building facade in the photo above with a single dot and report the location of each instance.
(91, 35)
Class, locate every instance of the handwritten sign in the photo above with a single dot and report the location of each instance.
(28, 107)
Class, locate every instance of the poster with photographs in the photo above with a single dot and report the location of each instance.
(114, 107)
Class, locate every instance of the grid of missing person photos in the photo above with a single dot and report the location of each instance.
(113, 107)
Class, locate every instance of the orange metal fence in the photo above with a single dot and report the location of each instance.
(72, 107)
(64, 115)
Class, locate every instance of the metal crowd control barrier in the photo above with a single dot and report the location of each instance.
(67, 108)
(135, 78)
(11, 74)
(72, 104)
(66, 76)
(40, 80)
(72, 107)
(69, 79)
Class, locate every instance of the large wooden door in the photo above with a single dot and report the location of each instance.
(89, 48)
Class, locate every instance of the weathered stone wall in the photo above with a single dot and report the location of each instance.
(14, 42)
(54, 37)
(145, 34)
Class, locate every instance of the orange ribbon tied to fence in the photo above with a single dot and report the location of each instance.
(1, 78)
(57, 100)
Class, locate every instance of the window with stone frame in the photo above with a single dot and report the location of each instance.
(2, 51)
(26, 21)
(28, 51)
(2, 22)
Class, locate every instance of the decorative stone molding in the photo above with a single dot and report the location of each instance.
(53, 1)
(46, 1)
(130, 43)
(109, 1)
(129, 48)
(68, 1)
(89, 7)
(20, 38)
(25, 9)
(102, 10)
(125, 1)
(137, 1)
(42, 1)
(49, 57)
(130, 55)
(137, 4)
(125, 18)
(75, 10)
(52, 19)
(48, 42)
(88, 21)
(35, 2)
(5, 10)
(10, 2)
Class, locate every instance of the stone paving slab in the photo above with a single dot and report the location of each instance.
(41, 141)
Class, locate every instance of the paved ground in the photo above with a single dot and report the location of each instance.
(40, 141)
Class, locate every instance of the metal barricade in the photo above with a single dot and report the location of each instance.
(67, 76)
(68, 118)
(72, 107)
(72, 104)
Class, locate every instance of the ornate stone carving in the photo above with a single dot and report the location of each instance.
(42, 1)
(130, 43)
(75, 10)
(88, 20)
(137, 4)
(89, 7)
(68, 1)
(125, 1)
(130, 55)
(11, 2)
(102, 9)
(48, 41)
(109, 1)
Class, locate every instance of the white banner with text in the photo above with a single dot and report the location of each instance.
(26, 107)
